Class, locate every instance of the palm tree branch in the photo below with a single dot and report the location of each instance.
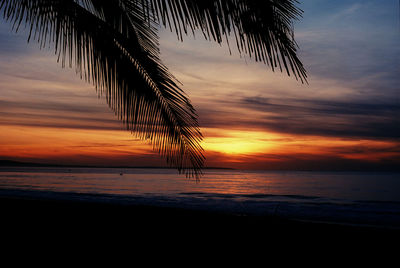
(149, 101)
(262, 28)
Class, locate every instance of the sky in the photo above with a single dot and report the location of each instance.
(347, 116)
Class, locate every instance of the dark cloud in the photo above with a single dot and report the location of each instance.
(310, 117)
(51, 106)
(58, 115)
(322, 107)
(81, 124)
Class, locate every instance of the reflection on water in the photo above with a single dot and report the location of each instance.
(237, 184)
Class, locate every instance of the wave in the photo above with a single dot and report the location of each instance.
(257, 196)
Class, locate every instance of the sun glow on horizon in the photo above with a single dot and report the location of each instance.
(241, 145)
(234, 142)
(250, 117)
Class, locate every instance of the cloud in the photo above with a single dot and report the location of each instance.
(351, 49)
(309, 117)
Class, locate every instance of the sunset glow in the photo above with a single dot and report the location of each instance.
(346, 117)
(235, 142)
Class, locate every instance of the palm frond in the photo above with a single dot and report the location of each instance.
(114, 47)
(263, 29)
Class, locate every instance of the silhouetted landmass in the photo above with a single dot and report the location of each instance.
(11, 163)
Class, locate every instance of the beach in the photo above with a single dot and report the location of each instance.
(77, 232)
(97, 221)
(234, 210)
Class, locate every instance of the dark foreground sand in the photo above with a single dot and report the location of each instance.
(90, 221)
(36, 231)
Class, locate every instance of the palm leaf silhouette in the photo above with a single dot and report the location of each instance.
(113, 44)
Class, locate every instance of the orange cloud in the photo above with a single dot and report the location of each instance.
(257, 149)
(49, 143)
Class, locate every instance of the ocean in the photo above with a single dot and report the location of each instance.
(351, 198)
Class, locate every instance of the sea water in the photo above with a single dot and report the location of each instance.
(362, 198)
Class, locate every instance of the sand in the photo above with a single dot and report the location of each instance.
(68, 219)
